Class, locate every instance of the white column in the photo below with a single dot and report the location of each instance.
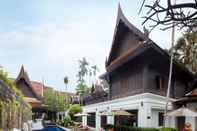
(110, 120)
(57, 115)
(84, 120)
(144, 115)
(98, 121)
(63, 116)
(154, 118)
(191, 120)
(170, 121)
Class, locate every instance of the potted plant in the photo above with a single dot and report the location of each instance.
(109, 127)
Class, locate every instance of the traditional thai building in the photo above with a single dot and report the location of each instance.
(32, 91)
(137, 73)
(32, 94)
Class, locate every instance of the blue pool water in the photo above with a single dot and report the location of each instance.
(52, 128)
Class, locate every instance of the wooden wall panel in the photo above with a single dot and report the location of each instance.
(127, 82)
(129, 41)
(178, 89)
(25, 89)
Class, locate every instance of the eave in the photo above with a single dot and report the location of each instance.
(122, 19)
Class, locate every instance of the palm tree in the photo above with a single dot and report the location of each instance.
(66, 81)
(186, 51)
(82, 88)
(83, 66)
(94, 71)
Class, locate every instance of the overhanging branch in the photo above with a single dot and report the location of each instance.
(182, 14)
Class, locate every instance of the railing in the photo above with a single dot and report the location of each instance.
(94, 98)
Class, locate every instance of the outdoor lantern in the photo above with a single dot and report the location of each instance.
(142, 103)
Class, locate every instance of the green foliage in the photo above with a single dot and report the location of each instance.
(168, 129)
(27, 114)
(82, 88)
(129, 128)
(186, 51)
(108, 126)
(74, 109)
(55, 100)
(13, 104)
(67, 121)
(9, 82)
(85, 71)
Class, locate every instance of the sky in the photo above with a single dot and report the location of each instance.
(48, 37)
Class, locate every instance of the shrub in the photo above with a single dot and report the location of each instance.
(108, 126)
(67, 121)
(128, 128)
(168, 129)
(74, 109)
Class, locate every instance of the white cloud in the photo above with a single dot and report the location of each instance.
(52, 51)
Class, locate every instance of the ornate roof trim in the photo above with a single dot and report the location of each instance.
(23, 75)
(121, 17)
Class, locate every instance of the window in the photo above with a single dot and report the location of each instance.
(91, 120)
(159, 80)
(161, 119)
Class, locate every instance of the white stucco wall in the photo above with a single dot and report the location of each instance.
(155, 117)
(192, 120)
(147, 105)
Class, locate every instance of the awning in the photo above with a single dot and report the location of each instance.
(81, 114)
(183, 111)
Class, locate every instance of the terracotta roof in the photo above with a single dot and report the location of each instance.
(192, 93)
(61, 92)
(38, 87)
(23, 75)
(32, 100)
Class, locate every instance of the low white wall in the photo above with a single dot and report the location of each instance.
(145, 104)
(155, 118)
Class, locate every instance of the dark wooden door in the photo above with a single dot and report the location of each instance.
(103, 121)
(180, 123)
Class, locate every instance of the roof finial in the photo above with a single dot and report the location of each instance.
(22, 71)
(22, 67)
(119, 10)
(119, 5)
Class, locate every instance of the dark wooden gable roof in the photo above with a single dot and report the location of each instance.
(123, 27)
(24, 76)
(145, 45)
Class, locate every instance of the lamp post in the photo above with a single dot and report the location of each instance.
(171, 68)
